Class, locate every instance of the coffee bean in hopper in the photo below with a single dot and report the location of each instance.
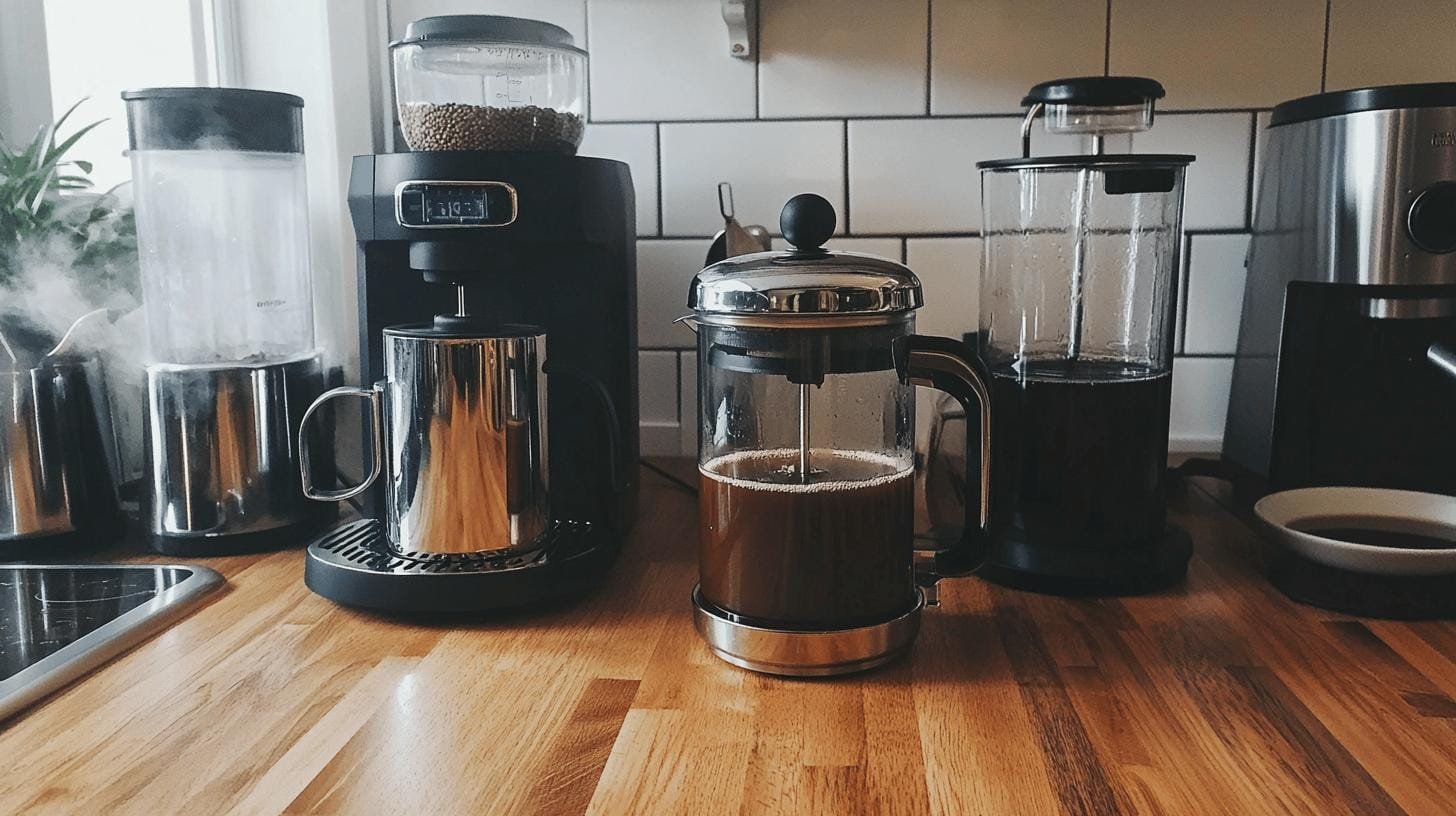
(459, 126)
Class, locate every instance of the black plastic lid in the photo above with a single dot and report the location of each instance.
(486, 28)
(1101, 161)
(1095, 91)
(1355, 100)
(214, 119)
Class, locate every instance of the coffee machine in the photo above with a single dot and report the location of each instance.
(1350, 305)
(464, 244)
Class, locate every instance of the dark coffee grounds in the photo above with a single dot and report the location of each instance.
(456, 126)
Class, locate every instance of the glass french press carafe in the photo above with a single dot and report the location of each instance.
(1078, 281)
(807, 563)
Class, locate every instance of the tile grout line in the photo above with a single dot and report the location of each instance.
(929, 49)
(1250, 192)
(757, 59)
(881, 117)
(1186, 277)
(1107, 40)
(845, 148)
(1325, 49)
(657, 138)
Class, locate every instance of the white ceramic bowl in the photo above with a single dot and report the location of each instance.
(1370, 508)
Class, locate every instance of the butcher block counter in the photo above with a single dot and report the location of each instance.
(1220, 696)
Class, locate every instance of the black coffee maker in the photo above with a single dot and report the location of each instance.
(540, 239)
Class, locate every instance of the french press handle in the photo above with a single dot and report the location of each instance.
(944, 364)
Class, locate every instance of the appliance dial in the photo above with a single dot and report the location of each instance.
(1431, 221)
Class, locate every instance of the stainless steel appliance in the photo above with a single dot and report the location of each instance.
(58, 462)
(1344, 374)
(1351, 293)
(1079, 268)
(222, 231)
(222, 456)
(525, 236)
(59, 622)
(806, 559)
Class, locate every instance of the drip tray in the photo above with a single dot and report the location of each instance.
(353, 564)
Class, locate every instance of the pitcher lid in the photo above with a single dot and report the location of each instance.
(808, 280)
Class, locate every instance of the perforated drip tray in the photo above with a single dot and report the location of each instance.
(355, 565)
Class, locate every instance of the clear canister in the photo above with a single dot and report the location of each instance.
(222, 224)
(483, 82)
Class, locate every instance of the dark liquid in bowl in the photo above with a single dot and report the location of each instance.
(833, 553)
(1375, 531)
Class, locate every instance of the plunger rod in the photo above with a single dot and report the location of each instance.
(804, 433)
(460, 300)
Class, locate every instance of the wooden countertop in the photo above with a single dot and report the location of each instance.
(1222, 696)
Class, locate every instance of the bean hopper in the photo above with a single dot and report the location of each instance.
(1078, 292)
(806, 454)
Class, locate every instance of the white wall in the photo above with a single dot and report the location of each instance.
(885, 105)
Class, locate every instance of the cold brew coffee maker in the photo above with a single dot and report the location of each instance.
(807, 564)
(222, 232)
(1077, 302)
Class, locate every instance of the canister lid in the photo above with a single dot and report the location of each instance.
(807, 281)
(241, 119)
(486, 28)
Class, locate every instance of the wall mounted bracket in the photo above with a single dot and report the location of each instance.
(741, 16)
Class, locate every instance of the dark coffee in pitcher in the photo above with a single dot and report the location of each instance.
(834, 551)
(1081, 454)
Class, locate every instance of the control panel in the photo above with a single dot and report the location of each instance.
(454, 204)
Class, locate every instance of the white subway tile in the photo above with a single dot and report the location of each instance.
(949, 270)
(665, 59)
(986, 54)
(883, 247)
(637, 146)
(657, 387)
(842, 57)
(919, 175)
(660, 438)
(1390, 43)
(1215, 293)
(665, 269)
(1200, 403)
(688, 420)
(1218, 180)
(1230, 54)
(569, 14)
(767, 162)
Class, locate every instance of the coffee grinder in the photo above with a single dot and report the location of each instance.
(1079, 264)
(482, 240)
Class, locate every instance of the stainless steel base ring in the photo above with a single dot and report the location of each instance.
(797, 653)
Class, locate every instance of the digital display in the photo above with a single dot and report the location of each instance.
(437, 204)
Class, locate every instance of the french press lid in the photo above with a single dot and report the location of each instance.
(807, 286)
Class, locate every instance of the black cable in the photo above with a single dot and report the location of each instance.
(679, 483)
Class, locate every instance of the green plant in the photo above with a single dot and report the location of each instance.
(45, 197)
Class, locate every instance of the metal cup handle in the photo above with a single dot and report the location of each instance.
(376, 421)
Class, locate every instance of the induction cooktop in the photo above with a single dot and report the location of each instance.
(59, 622)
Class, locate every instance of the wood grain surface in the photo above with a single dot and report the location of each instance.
(1219, 697)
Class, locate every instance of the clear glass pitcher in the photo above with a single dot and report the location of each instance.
(1077, 303)
(807, 358)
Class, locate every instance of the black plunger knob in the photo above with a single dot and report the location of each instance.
(807, 221)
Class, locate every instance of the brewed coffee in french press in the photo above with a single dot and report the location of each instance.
(1077, 302)
(807, 561)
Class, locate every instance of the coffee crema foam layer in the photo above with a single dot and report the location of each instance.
(818, 458)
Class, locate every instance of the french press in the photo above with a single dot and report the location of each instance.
(1078, 283)
(807, 562)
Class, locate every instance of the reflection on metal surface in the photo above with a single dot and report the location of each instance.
(1385, 308)
(465, 442)
(58, 466)
(58, 622)
(805, 653)
(221, 456)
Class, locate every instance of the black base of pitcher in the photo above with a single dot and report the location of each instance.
(354, 565)
(1091, 570)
